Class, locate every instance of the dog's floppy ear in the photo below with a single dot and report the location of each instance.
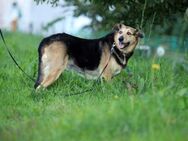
(140, 35)
(116, 27)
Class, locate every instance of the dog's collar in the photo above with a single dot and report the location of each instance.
(120, 57)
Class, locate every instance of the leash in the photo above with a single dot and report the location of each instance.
(97, 80)
(13, 59)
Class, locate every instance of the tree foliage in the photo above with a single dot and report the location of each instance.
(137, 13)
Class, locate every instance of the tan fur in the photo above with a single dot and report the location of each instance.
(54, 61)
(128, 38)
(111, 67)
(104, 58)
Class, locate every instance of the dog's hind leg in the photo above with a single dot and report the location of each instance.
(52, 62)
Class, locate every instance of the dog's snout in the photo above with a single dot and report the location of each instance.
(121, 38)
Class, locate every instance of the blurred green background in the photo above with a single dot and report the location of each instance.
(148, 101)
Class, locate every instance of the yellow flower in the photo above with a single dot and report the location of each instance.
(155, 66)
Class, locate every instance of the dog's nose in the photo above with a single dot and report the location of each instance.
(121, 38)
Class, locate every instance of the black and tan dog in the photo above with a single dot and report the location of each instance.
(87, 56)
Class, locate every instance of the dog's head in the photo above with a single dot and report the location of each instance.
(126, 37)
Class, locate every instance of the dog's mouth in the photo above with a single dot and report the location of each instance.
(123, 45)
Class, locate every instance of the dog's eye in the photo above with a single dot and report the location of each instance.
(129, 33)
(120, 32)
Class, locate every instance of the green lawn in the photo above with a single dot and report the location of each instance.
(141, 104)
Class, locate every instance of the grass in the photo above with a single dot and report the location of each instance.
(138, 105)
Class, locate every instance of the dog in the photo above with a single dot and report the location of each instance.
(89, 57)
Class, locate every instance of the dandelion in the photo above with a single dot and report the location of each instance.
(155, 66)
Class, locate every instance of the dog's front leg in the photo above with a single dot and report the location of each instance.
(107, 74)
